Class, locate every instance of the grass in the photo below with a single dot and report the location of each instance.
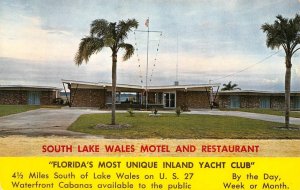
(13, 109)
(265, 111)
(183, 127)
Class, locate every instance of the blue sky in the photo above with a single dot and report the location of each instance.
(38, 41)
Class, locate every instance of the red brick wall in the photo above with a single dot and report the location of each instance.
(250, 101)
(47, 97)
(13, 97)
(192, 99)
(88, 98)
(223, 101)
(277, 102)
(245, 101)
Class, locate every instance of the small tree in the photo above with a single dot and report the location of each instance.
(111, 35)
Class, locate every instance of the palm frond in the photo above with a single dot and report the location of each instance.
(124, 27)
(106, 34)
(129, 50)
(87, 47)
(283, 32)
(99, 28)
(233, 86)
(109, 41)
(274, 38)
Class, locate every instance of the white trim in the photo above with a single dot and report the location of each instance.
(183, 87)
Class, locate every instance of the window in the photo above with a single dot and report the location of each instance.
(296, 104)
(159, 98)
(235, 102)
(33, 98)
(264, 102)
(124, 97)
(169, 100)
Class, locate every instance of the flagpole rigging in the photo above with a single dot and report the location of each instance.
(147, 23)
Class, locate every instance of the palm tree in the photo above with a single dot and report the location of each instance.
(230, 86)
(111, 35)
(284, 33)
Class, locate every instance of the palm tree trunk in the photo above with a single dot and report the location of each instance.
(113, 90)
(287, 90)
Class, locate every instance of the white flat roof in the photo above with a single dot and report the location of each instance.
(29, 86)
(254, 91)
(101, 84)
(140, 87)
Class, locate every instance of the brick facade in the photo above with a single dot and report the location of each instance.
(223, 101)
(185, 100)
(47, 97)
(88, 98)
(97, 98)
(192, 99)
(245, 101)
(20, 97)
(253, 101)
(13, 97)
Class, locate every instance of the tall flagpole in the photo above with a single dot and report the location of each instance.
(148, 23)
(148, 32)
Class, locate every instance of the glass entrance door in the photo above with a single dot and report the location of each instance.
(169, 100)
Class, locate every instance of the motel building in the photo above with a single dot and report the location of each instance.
(257, 99)
(27, 95)
(98, 95)
(88, 94)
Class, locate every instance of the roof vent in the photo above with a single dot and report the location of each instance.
(176, 83)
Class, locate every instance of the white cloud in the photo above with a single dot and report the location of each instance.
(216, 38)
(271, 81)
(26, 40)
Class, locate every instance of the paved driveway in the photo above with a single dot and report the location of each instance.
(264, 117)
(42, 122)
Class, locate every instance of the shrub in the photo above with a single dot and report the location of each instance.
(155, 111)
(178, 111)
(130, 111)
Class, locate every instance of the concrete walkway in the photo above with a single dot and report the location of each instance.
(56, 121)
(257, 116)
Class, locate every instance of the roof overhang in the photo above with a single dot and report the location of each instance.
(256, 92)
(101, 85)
(137, 88)
(28, 88)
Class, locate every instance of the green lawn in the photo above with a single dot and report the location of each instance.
(183, 127)
(265, 111)
(12, 109)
